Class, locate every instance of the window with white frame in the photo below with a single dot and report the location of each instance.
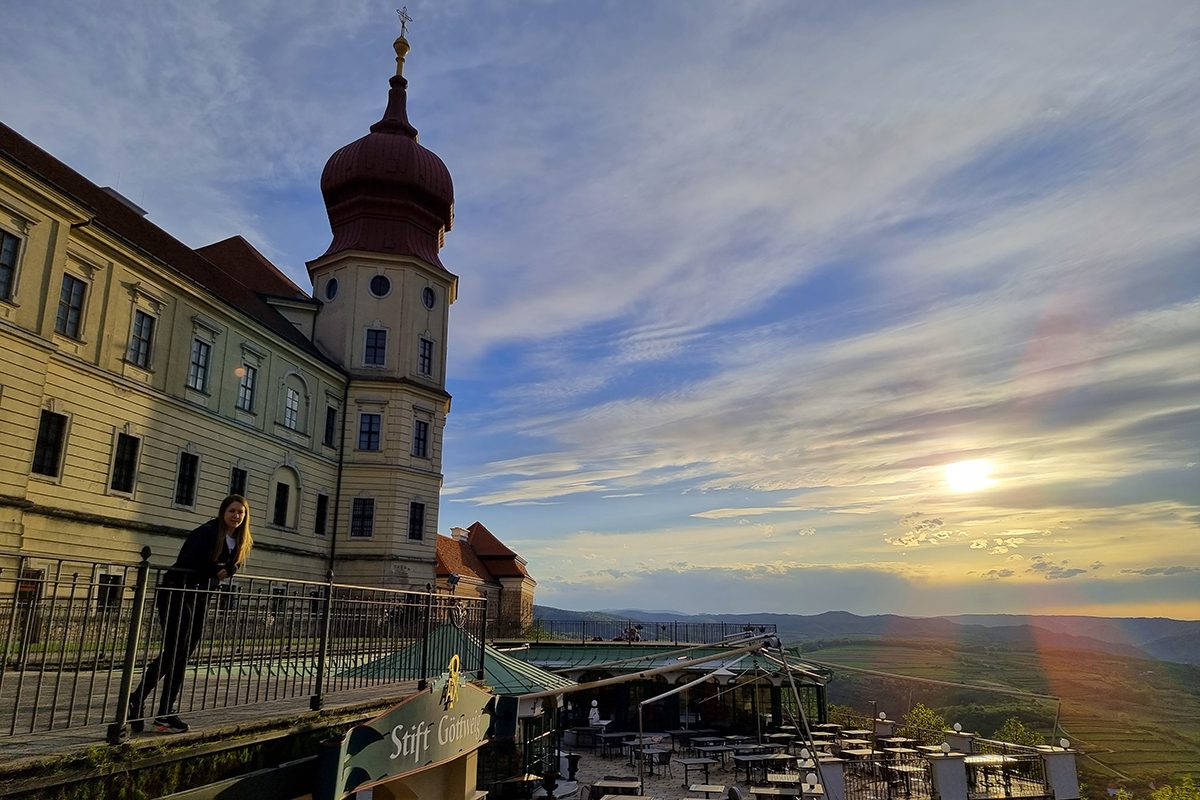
(420, 441)
(10, 250)
(375, 347)
(370, 428)
(416, 520)
(247, 382)
(330, 425)
(425, 357)
(237, 481)
(294, 403)
(187, 475)
(291, 408)
(362, 517)
(50, 443)
(69, 319)
(321, 521)
(141, 339)
(199, 365)
(283, 493)
(125, 463)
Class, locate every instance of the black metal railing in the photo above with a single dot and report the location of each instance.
(76, 636)
(899, 779)
(1004, 769)
(549, 630)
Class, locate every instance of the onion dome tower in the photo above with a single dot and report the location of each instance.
(386, 193)
(384, 316)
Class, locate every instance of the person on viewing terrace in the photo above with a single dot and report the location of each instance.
(211, 553)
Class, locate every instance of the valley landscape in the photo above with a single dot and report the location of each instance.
(1135, 716)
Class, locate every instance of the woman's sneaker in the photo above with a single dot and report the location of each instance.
(171, 724)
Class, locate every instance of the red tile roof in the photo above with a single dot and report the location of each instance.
(456, 556)
(238, 257)
(501, 561)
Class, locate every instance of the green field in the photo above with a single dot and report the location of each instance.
(1135, 720)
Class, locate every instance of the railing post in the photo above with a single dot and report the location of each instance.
(318, 700)
(118, 730)
(424, 682)
(483, 639)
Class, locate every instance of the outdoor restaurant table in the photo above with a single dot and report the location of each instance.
(897, 740)
(681, 736)
(824, 734)
(618, 785)
(853, 742)
(708, 739)
(587, 732)
(906, 771)
(900, 751)
(695, 763)
(652, 750)
(827, 726)
(990, 764)
(747, 760)
(860, 752)
(707, 789)
(627, 797)
(858, 732)
(783, 777)
(610, 740)
(932, 749)
(775, 791)
(718, 750)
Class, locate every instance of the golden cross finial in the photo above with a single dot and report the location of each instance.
(402, 13)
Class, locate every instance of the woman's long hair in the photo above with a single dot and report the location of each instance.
(242, 540)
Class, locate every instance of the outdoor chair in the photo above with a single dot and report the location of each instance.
(662, 760)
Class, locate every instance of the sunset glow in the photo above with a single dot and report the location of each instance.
(969, 476)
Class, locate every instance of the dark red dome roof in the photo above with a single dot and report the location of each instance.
(385, 192)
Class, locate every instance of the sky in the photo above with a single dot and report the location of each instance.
(764, 306)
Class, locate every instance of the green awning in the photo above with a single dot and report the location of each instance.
(502, 673)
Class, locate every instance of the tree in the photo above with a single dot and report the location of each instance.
(1015, 732)
(1184, 790)
(926, 723)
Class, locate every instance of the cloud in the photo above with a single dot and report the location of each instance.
(790, 298)
(1176, 569)
(1052, 571)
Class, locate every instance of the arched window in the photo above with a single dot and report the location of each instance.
(284, 510)
(293, 401)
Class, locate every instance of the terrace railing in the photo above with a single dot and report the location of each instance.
(895, 779)
(549, 630)
(75, 636)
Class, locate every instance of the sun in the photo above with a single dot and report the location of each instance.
(969, 476)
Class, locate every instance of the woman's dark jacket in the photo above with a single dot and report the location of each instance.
(195, 568)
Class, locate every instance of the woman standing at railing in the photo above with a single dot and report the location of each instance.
(210, 554)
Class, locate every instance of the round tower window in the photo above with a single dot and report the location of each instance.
(331, 287)
(428, 297)
(380, 285)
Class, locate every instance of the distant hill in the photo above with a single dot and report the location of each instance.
(1163, 639)
(1159, 637)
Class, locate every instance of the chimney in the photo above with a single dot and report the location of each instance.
(459, 534)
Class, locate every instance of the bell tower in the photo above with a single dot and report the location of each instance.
(386, 297)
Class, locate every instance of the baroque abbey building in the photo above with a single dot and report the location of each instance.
(141, 381)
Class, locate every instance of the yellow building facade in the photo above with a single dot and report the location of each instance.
(141, 381)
